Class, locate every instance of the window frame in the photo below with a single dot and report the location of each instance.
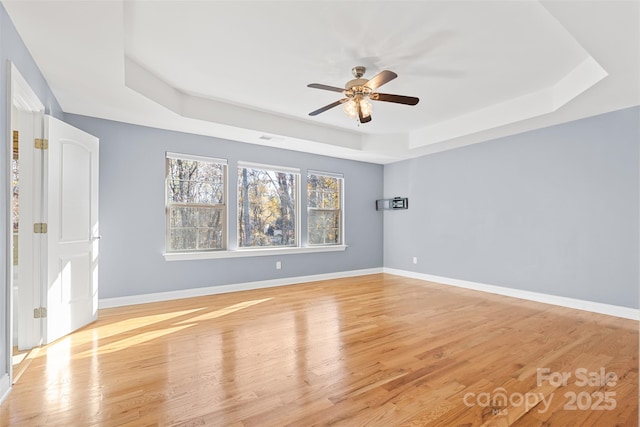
(231, 250)
(297, 206)
(224, 207)
(341, 222)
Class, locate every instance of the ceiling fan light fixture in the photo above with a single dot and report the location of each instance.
(351, 108)
(366, 107)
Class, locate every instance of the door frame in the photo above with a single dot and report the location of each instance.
(23, 96)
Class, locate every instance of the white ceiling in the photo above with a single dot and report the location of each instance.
(239, 69)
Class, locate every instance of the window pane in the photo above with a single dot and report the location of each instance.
(186, 220)
(183, 239)
(266, 208)
(324, 198)
(210, 217)
(324, 227)
(190, 181)
(182, 216)
(209, 238)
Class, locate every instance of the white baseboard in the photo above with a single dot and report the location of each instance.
(221, 289)
(596, 307)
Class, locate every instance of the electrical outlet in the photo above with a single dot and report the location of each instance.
(278, 265)
(415, 259)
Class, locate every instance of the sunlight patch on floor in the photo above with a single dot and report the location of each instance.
(111, 329)
(224, 311)
(18, 358)
(131, 341)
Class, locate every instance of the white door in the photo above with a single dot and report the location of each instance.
(71, 215)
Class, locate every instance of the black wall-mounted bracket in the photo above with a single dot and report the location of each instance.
(392, 204)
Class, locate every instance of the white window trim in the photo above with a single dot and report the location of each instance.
(194, 157)
(261, 166)
(319, 172)
(251, 252)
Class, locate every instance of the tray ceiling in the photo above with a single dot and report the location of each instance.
(239, 70)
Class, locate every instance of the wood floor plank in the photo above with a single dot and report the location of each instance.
(377, 350)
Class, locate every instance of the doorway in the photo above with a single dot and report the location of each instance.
(53, 233)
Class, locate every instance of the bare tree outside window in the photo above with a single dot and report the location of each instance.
(267, 201)
(196, 203)
(324, 209)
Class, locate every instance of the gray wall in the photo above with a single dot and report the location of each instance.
(553, 210)
(13, 49)
(132, 218)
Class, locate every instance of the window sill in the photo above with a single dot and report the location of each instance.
(245, 253)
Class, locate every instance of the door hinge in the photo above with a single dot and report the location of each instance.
(42, 144)
(39, 312)
(40, 228)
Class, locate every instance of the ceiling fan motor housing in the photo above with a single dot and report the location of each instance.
(355, 82)
(357, 86)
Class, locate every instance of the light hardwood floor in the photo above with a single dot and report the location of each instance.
(377, 350)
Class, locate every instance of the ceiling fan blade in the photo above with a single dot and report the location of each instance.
(325, 87)
(398, 99)
(328, 107)
(361, 116)
(381, 78)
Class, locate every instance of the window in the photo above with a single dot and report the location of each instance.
(267, 206)
(196, 203)
(324, 208)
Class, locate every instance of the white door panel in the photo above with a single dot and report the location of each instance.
(71, 195)
(75, 193)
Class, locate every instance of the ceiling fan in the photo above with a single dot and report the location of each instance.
(359, 91)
